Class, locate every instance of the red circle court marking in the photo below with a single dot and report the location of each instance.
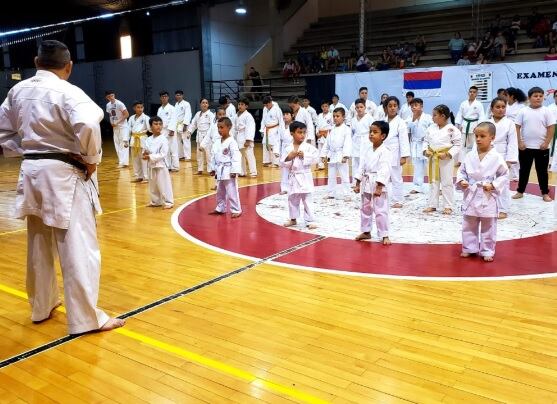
(253, 237)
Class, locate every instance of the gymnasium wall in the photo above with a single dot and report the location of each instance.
(331, 8)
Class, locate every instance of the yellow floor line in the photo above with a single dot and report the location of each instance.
(199, 359)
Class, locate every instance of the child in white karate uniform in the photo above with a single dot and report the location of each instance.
(372, 178)
(244, 132)
(226, 166)
(201, 122)
(210, 139)
(324, 126)
(359, 125)
(506, 144)
(441, 146)
(298, 158)
(138, 125)
(418, 124)
(282, 141)
(337, 151)
(482, 176)
(156, 151)
(271, 124)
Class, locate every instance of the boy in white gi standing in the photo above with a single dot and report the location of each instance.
(182, 109)
(372, 178)
(155, 152)
(337, 151)
(470, 113)
(118, 115)
(166, 113)
(244, 130)
(323, 127)
(360, 125)
(300, 114)
(201, 122)
(226, 166)
(298, 158)
(482, 176)
(418, 124)
(271, 123)
(139, 126)
(283, 140)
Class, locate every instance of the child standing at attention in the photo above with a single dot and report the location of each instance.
(226, 166)
(337, 150)
(283, 140)
(506, 144)
(155, 152)
(482, 176)
(372, 178)
(441, 145)
(534, 126)
(324, 126)
(298, 158)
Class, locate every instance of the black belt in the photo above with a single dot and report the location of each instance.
(66, 158)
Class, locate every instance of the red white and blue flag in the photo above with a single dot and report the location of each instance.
(423, 84)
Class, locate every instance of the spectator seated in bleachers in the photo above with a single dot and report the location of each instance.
(551, 54)
(352, 59)
(464, 60)
(513, 32)
(499, 49)
(419, 45)
(333, 59)
(485, 45)
(386, 60)
(481, 59)
(456, 47)
(288, 69)
(363, 64)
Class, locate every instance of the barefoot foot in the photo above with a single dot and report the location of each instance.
(290, 223)
(235, 215)
(112, 323)
(502, 215)
(386, 241)
(364, 236)
(429, 210)
(487, 259)
(518, 195)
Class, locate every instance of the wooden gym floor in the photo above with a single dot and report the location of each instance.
(266, 333)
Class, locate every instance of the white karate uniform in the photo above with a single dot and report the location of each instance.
(418, 130)
(182, 110)
(160, 185)
(405, 112)
(469, 115)
(138, 127)
(506, 144)
(167, 114)
(312, 113)
(226, 160)
(201, 122)
(300, 180)
(339, 104)
(371, 109)
(230, 112)
(360, 140)
(244, 127)
(271, 124)
(436, 139)
(375, 167)
(283, 140)
(323, 127)
(511, 113)
(115, 111)
(209, 139)
(45, 114)
(397, 142)
(380, 114)
(338, 145)
(480, 208)
(304, 116)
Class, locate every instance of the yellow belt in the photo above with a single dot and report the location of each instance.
(136, 141)
(434, 170)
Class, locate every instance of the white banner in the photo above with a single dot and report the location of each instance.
(455, 83)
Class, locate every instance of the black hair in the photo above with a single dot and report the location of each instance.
(392, 98)
(410, 93)
(417, 101)
(178, 92)
(490, 127)
(383, 127)
(517, 94)
(335, 95)
(535, 90)
(339, 109)
(287, 110)
(293, 99)
(442, 109)
(296, 125)
(154, 119)
(324, 102)
(163, 92)
(223, 100)
(267, 99)
(502, 90)
(52, 55)
(243, 100)
(137, 103)
(361, 89)
(496, 100)
(108, 92)
(226, 120)
(473, 88)
(359, 101)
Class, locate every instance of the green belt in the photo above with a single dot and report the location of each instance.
(467, 130)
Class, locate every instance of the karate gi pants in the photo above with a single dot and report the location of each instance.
(294, 201)
(320, 164)
(247, 155)
(172, 160)
(355, 168)
(377, 206)
(467, 141)
(140, 166)
(284, 173)
(160, 187)
(227, 196)
(332, 187)
(268, 156)
(395, 187)
(80, 260)
(504, 200)
(186, 145)
(479, 235)
(445, 183)
(122, 152)
(203, 157)
(419, 173)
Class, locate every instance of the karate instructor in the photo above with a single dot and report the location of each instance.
(54, 125)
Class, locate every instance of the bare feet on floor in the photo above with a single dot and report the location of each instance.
(283, 193)
(487, 259)
(502, 215)
(168, 206)
(429, 210)
(235, 215)
(546, 198)
(466, 255)
(386, 241)
(290, 223)
(312, 226)
(396, 205)
(518, 195)
(112, 324)
(363, 236)
(50, 314)
(216, 212)
(447, 211)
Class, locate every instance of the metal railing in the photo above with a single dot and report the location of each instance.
(236, 89)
